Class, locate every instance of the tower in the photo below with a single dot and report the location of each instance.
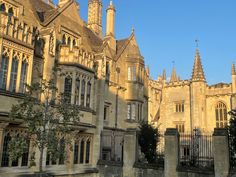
(110, 25)
(95, 16)
(197, 95)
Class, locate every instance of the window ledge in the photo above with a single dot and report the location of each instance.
(11, 94)
(110, 163)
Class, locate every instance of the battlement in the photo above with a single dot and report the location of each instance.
(76, 55)
(177, 83)
(12, 27)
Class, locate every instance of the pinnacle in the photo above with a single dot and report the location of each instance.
(198, 73)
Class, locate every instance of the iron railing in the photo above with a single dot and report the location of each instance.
(196, 151)
(232, 152)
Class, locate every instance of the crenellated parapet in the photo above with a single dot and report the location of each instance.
(77, 55)
(177, 83)
(11, 26)
(218, 89)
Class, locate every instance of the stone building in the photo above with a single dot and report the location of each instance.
(104, 76)
(190, 104)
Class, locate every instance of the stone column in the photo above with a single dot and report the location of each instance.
(221, 152)
(171, 152)
(129, 153)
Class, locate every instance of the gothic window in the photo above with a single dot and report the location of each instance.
(131, 73)
(77, 91)
(68, 41)
(5, 153)
(3, 72)
(15, 161)
(88, 94)
(179, 107)
(140, 111)
(131, 111)
(81, 152)
(3, 7)
(107, 71)
(76, 153)
(64, 39)
(87, 157)
(14, 70)
(221, 115)
(23, 76)
(25, 155)
(68, 89)
(82, 93)
(61, 151)
(10, 12)
(74, 43)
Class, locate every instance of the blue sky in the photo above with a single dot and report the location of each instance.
(166, 31)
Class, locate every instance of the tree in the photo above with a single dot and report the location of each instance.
(232, 136)
(148, 139)
(46, 114)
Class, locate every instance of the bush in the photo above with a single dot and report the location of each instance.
(148, 139)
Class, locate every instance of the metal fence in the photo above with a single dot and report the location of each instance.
(196, 151)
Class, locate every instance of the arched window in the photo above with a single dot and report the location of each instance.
(15, 161)
(4, 71)
(221, 115)
(23, 76)
(87, 157)
(64, 39)
(82, 93)
(81, 152)
(67, 89)
(10, 12)
(62, 150)
(88, 95)
(2, 7)
(68, 41)
(76, 153)
(77, 91)
(5, 153)
(74, 43)
(25, 155)
(14, 70)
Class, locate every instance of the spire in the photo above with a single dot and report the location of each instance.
(164, 75)
(198, 74)
(173, 77)
(233, 72)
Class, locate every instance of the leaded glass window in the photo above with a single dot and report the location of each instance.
(221, 115)
(3, 72)
(14, 70)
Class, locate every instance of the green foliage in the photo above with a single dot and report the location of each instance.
(17, 146)
(47, 116)
(148, 139)
(232, 136)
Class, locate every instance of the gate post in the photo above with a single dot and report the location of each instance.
(221, 152)
(171, 152)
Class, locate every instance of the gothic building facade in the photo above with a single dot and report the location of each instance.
(105, 77)
(190, 104)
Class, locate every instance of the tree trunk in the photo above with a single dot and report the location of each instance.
(41, 159)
